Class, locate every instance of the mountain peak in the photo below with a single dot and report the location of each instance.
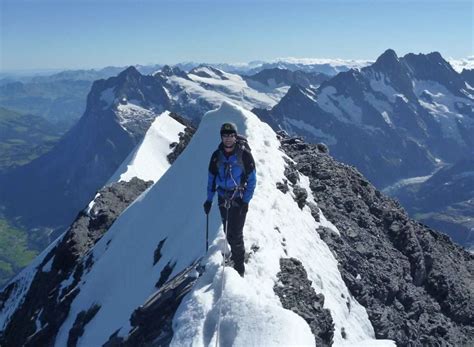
(433, 58)
(207, 71)
(433, 67)
(168, 71)
(388, 58)
(130, 72)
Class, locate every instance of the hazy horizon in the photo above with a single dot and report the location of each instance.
(50, 34)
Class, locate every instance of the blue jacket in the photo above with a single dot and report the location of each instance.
(228, 173)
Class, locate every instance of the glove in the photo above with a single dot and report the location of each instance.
(207, 206)
(244, 208)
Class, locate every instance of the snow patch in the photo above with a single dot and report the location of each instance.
(378, 104)
(386, 118)
(381, 83)
(233, 89)
(131, 113)
(442, 107)
(149, 160)
(342, 107)
(91, 204)
(318, 133)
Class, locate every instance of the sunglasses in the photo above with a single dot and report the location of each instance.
(228, 135)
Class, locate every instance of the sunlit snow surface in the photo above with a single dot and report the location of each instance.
(149, 160)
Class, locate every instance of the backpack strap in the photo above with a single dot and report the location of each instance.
(214, 167)
(247, 163)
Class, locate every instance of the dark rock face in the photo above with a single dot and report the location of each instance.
(184, 138)
(165, 274)
(157, 253)
(90, 227)
(283, 186)
(433, 67)
(167, 71)
(70, 259)
(468, 76)
(81, 321)
(296, 294)
(416, 285)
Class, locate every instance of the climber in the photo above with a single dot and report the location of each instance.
(232, 175)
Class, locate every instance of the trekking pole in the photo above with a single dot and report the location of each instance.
(207, 232)
(227, 206)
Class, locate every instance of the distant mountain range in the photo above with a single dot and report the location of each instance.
(394, 119)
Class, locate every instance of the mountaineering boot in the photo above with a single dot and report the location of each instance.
(240, 268)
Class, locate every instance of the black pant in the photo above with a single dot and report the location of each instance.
(235, 235)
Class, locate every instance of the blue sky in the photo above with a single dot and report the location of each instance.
(90, 34)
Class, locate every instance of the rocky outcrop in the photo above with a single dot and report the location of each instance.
(184, 137)
(296, 294)
(416, 284)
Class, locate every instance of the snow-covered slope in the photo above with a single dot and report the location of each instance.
(149, 160)
(123, 275)
(205, 88)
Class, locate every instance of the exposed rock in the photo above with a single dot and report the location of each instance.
(157, 253)
(416, 285)
(296, 294)
(184, 138)
(165, 274)
(291, 173)
(81, 321)
(283, 187)
(322, 148)
(300, 195)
